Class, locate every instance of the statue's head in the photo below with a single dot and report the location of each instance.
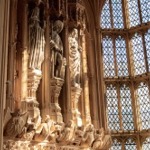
(58, 26)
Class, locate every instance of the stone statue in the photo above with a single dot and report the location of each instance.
(56, 46)
(75, 61)
(67, 134)
(36, 40)
(16, 125)
(88, 136)
(44, 131)
(79, 132)
(101, 141)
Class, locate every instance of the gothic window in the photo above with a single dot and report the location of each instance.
(108, 57)
(121, 57)
(112, 106)
(119, 107)
(133, 10)
(117, 14)
(105, 17)
(114, 57)
(138, 54)
(112, 16)
(143, 98)
(126, 108)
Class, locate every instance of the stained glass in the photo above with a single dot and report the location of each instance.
(147, 45)
(105, 16)
(108, 57)
(122, 63)
(133, 10)
(112, 108)
(117, 14)
(143, 98)
(126, 108)
(145, 10)
(138, 55)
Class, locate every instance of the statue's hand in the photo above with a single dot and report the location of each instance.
(52, 44)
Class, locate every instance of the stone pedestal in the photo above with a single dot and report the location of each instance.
(30, 104)
(75, 94)
(55, 110)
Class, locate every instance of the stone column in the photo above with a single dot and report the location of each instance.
(76, 115)
(55, 110)
(85, 101)
(13, 31)
(4, 25)
(45, 102)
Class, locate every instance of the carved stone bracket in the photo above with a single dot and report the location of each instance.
(75, 94)
(55, 110)
(30, 103)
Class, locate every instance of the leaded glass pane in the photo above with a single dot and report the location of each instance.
(146, 144)
(126, 108)
(122, 63)
(130, 145)
(144, 102)
(116, 145)
(105, 16)
(134, 18)
(147, 45)
(138, 55)
(117, 14)
(145, 10)
(112, 108)
(108, 57)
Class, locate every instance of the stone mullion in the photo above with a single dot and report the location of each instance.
(140, 12)
(114, 55)
(134, 106)
(111, 14)
(145, 52)
(124, 13)
(129, 55)
(119, 105)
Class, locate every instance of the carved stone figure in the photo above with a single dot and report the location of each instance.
(44, 131)
(56, 49)
(88, 136)
(79, 132)
(67, 134)
(16, 125)
(101, 141)
(36, 40)
(75, 51)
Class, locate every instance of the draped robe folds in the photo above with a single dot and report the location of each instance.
(36, 42)
(74, 57)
